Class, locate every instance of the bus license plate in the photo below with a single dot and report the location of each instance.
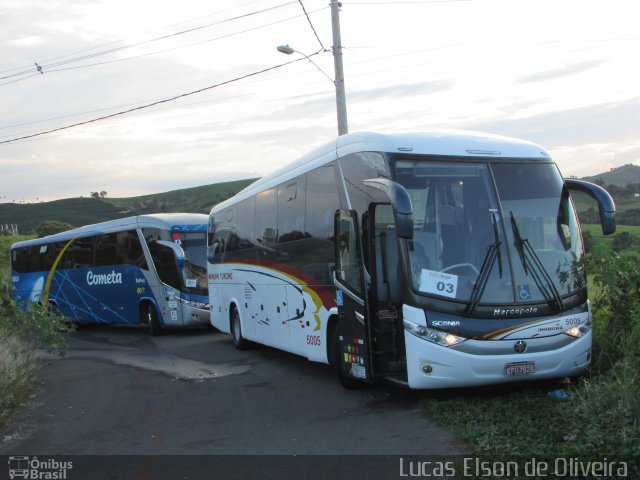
(520, 368)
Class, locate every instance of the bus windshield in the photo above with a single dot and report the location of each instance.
(183, 266)
(194, 272)
(499, 233)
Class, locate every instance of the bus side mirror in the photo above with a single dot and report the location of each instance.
(606, 205)
(400, 202)
(176, 249)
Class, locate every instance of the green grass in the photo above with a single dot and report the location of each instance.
(5, 245)
(601, 415)
(17, 374)
(596, 230)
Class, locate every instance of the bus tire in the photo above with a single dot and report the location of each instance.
(346, 381)
(239, 341)
(151, 318)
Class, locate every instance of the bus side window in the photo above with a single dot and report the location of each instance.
(349, 266)
(165, 262)
(130, 249)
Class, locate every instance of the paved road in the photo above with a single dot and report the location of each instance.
(119, 391)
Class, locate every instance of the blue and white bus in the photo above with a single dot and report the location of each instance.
(427, 260)
(148, 269)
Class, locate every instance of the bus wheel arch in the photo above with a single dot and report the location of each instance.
(235, 327)
(149, 315)
(332, 325)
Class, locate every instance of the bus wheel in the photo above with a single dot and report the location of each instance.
(236, 331)
(151, 317)
(346, 381)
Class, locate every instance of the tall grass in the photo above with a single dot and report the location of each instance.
(600, 417)
(21, 332)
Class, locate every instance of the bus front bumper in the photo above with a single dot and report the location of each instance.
(433, 366)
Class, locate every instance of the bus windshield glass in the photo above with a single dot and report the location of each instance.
(184, 265)
(194, 272)
(499, 233)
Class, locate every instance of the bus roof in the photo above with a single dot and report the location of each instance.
(455, 143)
(158, 220)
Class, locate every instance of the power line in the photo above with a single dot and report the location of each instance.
(182, 46)
(311, 25)
(48, 67)
(166, 100)
(401, 2)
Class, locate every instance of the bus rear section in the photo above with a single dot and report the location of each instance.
(144, 269)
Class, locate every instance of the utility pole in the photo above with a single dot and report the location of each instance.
(341, 103)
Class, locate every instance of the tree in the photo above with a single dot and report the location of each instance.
(624, 241)
(49, 227)
(95, 195)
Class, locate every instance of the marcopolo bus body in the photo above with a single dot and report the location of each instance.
(428, 260)
(146, 269)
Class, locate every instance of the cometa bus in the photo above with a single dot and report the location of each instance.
(149, 269)
(428, 260)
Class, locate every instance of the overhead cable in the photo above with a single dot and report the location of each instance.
(48, 67)
(311, 25)
(166, 100)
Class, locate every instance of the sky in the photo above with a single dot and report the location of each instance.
(210, 98)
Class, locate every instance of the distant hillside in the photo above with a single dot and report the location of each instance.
(621, 176)
(195, 200)
(85, 211)
(623, 183)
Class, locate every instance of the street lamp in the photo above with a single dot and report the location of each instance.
(287, 50)
(341, 104)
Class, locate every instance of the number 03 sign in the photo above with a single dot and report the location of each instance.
(438, 283)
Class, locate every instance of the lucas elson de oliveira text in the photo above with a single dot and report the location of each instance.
(563, 467)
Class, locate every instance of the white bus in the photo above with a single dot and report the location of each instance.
(427, 260)
(149, 269)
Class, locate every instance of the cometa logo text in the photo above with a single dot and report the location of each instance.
(103, 278)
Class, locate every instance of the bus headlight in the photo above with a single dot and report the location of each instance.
(577, 331)
(435, 336)
(581, 328)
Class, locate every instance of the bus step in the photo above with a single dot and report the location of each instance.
(387, 331)
(384, 352)
(400, 381)
(396, 366)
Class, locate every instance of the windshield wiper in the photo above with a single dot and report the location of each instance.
(533, 265)
(493, 253)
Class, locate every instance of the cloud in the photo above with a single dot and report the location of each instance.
(560, 72)
(602, 123)
(400, 91)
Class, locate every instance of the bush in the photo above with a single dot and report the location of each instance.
(617, 308)
(37, 326)
(599, 418)
(21, 332)
(49, 227)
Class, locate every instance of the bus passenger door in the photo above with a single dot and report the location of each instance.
(351, 339)
(384, 294)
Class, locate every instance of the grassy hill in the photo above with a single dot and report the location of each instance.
(623, 183)
(85, 211)
(621, 176)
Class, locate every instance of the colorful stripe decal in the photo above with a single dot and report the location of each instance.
(47, 285)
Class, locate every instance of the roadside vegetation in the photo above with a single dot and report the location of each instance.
(21, 333)
(594, 417)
